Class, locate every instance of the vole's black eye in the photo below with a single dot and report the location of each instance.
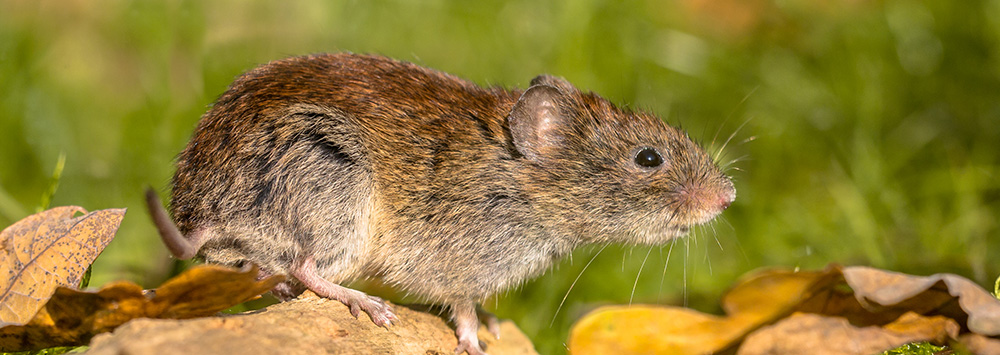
(648, 157)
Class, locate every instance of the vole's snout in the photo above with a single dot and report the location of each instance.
(724, 203)
(704, 201)
(726, 196)
(714, 205)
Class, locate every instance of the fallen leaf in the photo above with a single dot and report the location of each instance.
(978, 344)
(757, 300)
(928, 293)
(47, 250)
(860, 297)
(206, 290)
(934, 329)
(72, 317)
(806, 333)
(651, 330)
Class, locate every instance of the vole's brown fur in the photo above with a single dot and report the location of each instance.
(336, 167)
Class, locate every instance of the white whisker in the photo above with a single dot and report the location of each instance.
(731, 136)
(687, 260)
(636, 283)
(623, 260)
(667, 263)
(731, 162)
(574, 284)
(708, 261)
(715, 234)
(731, 113)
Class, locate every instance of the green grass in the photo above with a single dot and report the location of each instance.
(923, 348)
(869, 134)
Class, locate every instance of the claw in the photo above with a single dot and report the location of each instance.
(494, 328)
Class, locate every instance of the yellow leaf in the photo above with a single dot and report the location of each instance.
(47, 250)
(649, 330)
(206, 290)
(759, 299)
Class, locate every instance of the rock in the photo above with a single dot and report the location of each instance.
(308, 325)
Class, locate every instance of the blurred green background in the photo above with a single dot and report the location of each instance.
(869, 128)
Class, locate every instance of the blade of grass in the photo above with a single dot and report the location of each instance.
(53, 183)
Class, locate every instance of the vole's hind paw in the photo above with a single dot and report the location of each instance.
(378, 310)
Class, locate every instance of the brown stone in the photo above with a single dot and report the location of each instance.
(302, 326)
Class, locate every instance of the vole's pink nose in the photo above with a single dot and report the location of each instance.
(707, 202)
(724, 203)
(726, 198)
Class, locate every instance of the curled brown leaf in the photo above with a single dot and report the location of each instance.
(880, 288)
(72, 317)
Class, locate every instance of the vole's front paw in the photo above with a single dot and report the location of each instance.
(378, 310)
(469, 345)
(466, 327)
(490, 320)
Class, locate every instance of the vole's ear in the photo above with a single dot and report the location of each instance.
(557, 82)
(537, 122)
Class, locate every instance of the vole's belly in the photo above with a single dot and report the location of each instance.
(443, 262)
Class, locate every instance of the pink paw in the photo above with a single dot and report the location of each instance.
(490, 320)
(470, 346)
(378, 310)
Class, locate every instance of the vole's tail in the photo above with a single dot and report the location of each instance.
(179, 246)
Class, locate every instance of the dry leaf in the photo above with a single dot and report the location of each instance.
(206, 290)
(650, 330)
(856, 296)
(46, 250)
(759, 299)
(72, 317)
(978, 344)
(805, 333)
(933, 293)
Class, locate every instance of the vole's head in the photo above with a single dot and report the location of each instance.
(611, 175)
